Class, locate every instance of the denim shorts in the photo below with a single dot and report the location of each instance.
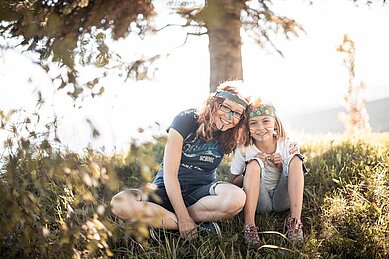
(190, 193)
(278, 198)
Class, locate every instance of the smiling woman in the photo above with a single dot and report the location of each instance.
(230, 111)
(186, 186)
(226, 109)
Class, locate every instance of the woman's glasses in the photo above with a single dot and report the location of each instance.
(226, 109)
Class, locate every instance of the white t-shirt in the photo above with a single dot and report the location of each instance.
(271, 173)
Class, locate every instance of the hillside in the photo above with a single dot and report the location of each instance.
(57, 206)
(327, 120)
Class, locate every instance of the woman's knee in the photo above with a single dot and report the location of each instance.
(121, 202)
(239, 198)
(233, 198)
(118, 202)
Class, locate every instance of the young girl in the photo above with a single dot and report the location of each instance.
(186, 183)
(270, 170)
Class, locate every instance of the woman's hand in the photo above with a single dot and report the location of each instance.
(294, 148)
(172, 157)
(187, 228)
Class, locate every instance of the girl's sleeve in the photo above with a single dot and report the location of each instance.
(238, 162)
(289, 157)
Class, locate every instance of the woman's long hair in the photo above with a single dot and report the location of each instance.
(230, 138)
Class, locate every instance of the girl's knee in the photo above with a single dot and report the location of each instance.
(296, 160)
(295, 164)
(253, 167)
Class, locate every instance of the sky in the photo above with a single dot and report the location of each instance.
(310, 77)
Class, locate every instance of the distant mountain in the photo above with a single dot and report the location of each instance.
(327, 120)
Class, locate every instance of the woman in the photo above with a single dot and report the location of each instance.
(186, 188)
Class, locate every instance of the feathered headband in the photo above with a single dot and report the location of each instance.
(257, 108)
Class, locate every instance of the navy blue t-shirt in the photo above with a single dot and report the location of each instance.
(199, 158)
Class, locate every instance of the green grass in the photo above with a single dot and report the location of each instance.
(56, 205)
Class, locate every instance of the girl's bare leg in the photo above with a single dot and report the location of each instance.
(251, 186)
(296, 187)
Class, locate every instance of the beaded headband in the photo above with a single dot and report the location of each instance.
(257, 108)
(232, 97)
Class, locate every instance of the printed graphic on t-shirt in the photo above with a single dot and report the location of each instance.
(200, 155)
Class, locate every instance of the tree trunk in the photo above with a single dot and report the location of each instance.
(223, 24)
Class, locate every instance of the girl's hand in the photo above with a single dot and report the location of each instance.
(294, 148)
(276, 158)
(187, 228)
(262, 156)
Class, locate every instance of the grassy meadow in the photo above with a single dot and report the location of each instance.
(56, 205)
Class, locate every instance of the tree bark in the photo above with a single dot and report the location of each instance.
(223, 24)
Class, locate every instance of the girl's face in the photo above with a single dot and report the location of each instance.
(228, 114)
(262, 127)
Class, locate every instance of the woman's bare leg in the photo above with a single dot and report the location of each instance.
(228, 201)
(127, 205)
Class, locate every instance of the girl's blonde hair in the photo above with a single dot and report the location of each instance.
(281, 133)
(230, 138)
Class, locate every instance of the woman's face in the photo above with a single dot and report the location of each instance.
(228, 115)
(262, 127)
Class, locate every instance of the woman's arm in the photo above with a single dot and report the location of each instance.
(172, 157)
(293, 146)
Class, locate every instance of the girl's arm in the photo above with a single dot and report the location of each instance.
(172, 157)
(277, 160)
(237, 179)
(237, 167)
